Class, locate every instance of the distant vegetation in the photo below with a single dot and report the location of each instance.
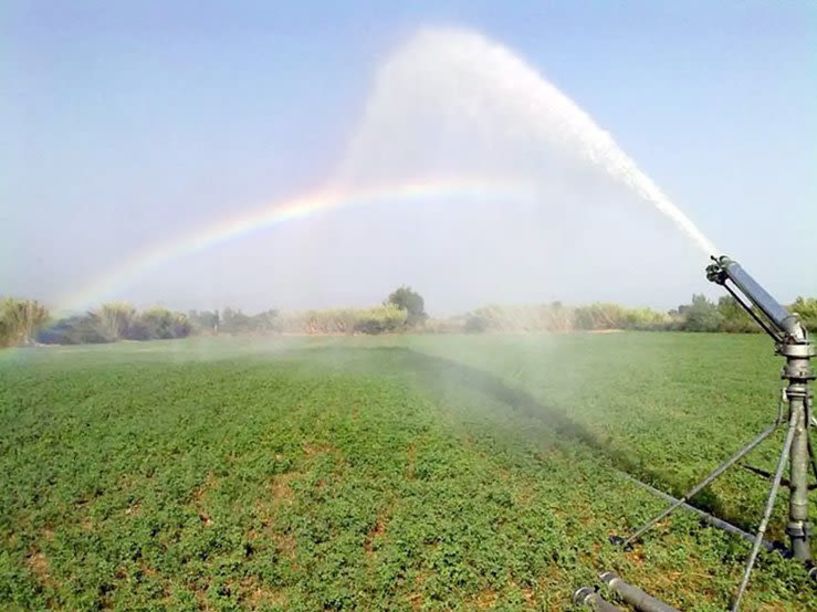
(412, 303)
(116, 321)
(19, 320)
(24, 322)
(701, 315)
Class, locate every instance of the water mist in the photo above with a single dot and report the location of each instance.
(456, 84)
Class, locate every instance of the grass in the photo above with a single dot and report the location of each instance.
(422, 472)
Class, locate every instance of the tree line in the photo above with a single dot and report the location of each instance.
(26, 322)
(700, 315)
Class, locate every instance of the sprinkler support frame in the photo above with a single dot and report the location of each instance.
(791, 342)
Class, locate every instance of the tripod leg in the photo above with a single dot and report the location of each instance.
(809, 424)
(705, 482)
(797, 527)
(778, 476)
(813, 459)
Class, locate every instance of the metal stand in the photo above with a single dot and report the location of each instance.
(792, 342)
(798, 451)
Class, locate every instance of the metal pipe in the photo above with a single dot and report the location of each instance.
(786, 323)
(797, 528)
(799, 373)
(588, 596)
(635, 596)
(752, 289)
(709, 519)
(701, 485)
(778, 475)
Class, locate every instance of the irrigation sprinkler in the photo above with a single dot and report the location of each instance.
(791, 342)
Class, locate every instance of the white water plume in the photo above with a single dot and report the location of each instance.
(451, 85)
(494, 187)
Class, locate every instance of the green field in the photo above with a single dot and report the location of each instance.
(425, 472)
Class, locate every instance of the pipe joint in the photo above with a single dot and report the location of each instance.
(799, 530)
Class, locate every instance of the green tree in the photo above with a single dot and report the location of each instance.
(807, 309)
(405, 298)
(701, 315)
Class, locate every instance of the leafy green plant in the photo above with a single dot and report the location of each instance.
(379, 472)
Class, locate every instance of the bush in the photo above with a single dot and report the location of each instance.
(380, 319)
(20, 320)
(475, 324)
(79, 329)
(734, 318)
(600, 316)
(114, 320)
(807, 309)
(376, 320)
(701, 316)
(236, 322)
(521, 318)
(412, 302)
(159, 324)
(203, 322)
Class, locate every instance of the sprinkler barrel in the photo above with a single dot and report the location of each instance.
(782, 325)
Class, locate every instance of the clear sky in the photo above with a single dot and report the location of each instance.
(126, 123)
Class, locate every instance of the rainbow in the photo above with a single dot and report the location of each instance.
(278, 213)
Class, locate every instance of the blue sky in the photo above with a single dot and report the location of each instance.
(126, 122)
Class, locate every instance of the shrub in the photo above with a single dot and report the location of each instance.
(412, 302)
(807, 309)
(159, 324)
(387, 318)
(376, 320)
(203, 322)
(476, 324)
(236, 322)
(600, 316)
(701, 316)
(20, 320)
(114, 320)
(78, 329)
(734, 318)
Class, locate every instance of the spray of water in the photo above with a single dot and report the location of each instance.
(451, 85)
(521, 162)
